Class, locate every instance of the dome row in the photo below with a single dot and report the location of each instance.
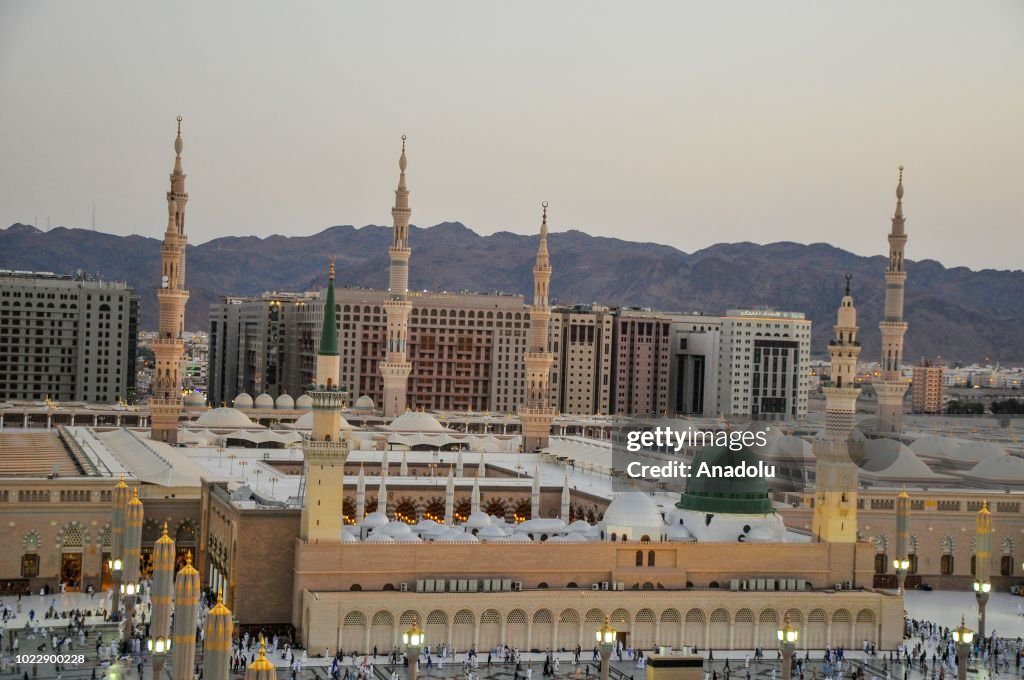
(286, 403)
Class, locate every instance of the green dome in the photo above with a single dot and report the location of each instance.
(746, 495)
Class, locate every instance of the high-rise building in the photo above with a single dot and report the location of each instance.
(395, 368)
(168, 347)
(536, 414)
(256, 346)
(763, 365)
(836, 481)
(580, 339)
(926, 388)
(890, 387)
(641, 347)
(66, 338)
(693, 376)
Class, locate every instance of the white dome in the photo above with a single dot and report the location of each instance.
(285, 403)
(477, 519)
(305, 422)
(195, 399)
(425, 525)
(395, 527)
(679, 533)
(346, 537)
(304, 402)
(935, 447)
(416, 421)
(456, 536)
(490, 532)
(377, 537)
(891, 459)
(999, 469)
(243, 400)
(634, 514)
(264, 401)
(374, 519)
(364, 403)
(569, 538)
(406, 538)
(514, 538)
(579, 526)
(548, 525)
(224, 418)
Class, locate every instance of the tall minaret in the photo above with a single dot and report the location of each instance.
(890, 387)
(396, 367)
(536, 415)
(165, 404)
(360, 497)
(565, 509)
(326, 449)
(535, 494)
(835, 498)
(449, 500)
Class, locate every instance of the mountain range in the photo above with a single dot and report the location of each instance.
(957, 313)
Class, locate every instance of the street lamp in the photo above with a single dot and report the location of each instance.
(413, 640)
(964, 638)
(606, 637)
(901, 566)
(788, 636)
(159, 644)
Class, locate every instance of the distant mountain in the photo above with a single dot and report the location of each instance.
(958, 313)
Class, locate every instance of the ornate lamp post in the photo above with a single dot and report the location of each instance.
(787, 643)
(964, 638)
(413, 641)
(606, 637)
(982, 557)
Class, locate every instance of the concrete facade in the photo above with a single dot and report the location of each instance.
(66, 339)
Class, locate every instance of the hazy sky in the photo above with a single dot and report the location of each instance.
(686, 123)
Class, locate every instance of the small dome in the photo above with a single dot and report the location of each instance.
(406, 538)
(580, 526)
(416, 421)
(490, 532)
(223, 419)
(377, 537)
(195, 399)
(264, 401)
(346, 537)
(284, 403)
(394, 528)
(374, 520)
(634, 514)
(243, 400)
(364, 403)
(456, 536)
(735, 495)
(679, 533)
(477, 519)
(304, 403)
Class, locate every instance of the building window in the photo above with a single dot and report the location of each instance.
(946, 566)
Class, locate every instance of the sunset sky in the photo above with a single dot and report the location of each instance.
(684, 123)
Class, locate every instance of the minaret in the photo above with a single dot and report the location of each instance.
(163, 591)
(565, 500)
(449, 500)
(186, 613)
(835, 502)
(382, 497)
(536, 415)
(902, 538)
(481, 467)
(459, 464)
(360, 497)
(326, 449)
(474, 500)
(168, 348)
(396, 367)
(384, 463)
(403, 469)
(217, 641)
(890, 386)
(535, 495)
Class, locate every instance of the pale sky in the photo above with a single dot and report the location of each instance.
(685, 123)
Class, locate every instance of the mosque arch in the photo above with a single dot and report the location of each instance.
(865, 629)
(743, 630)
(842, 629)
(496, 508)
(436, 626)
(490, 629)
(569, 631)
(382, 631)
(515, 629)
(594, 615)
(408, 617)
(767, 625)
(541, 635)
(670, 626)
(463, 629)
(643, 629)
(353, 631)
(693, 628)
(817, 629)
(946, 561)
(718, 631)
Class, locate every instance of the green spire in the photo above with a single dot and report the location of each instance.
(329, 335)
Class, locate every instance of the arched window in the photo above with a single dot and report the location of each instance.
(650, 558)
(639, 558)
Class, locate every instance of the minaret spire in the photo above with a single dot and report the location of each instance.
(536, 415)
(396, 367)
(165, 404)
(890, 386)
(836, 483)
(326, 449)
